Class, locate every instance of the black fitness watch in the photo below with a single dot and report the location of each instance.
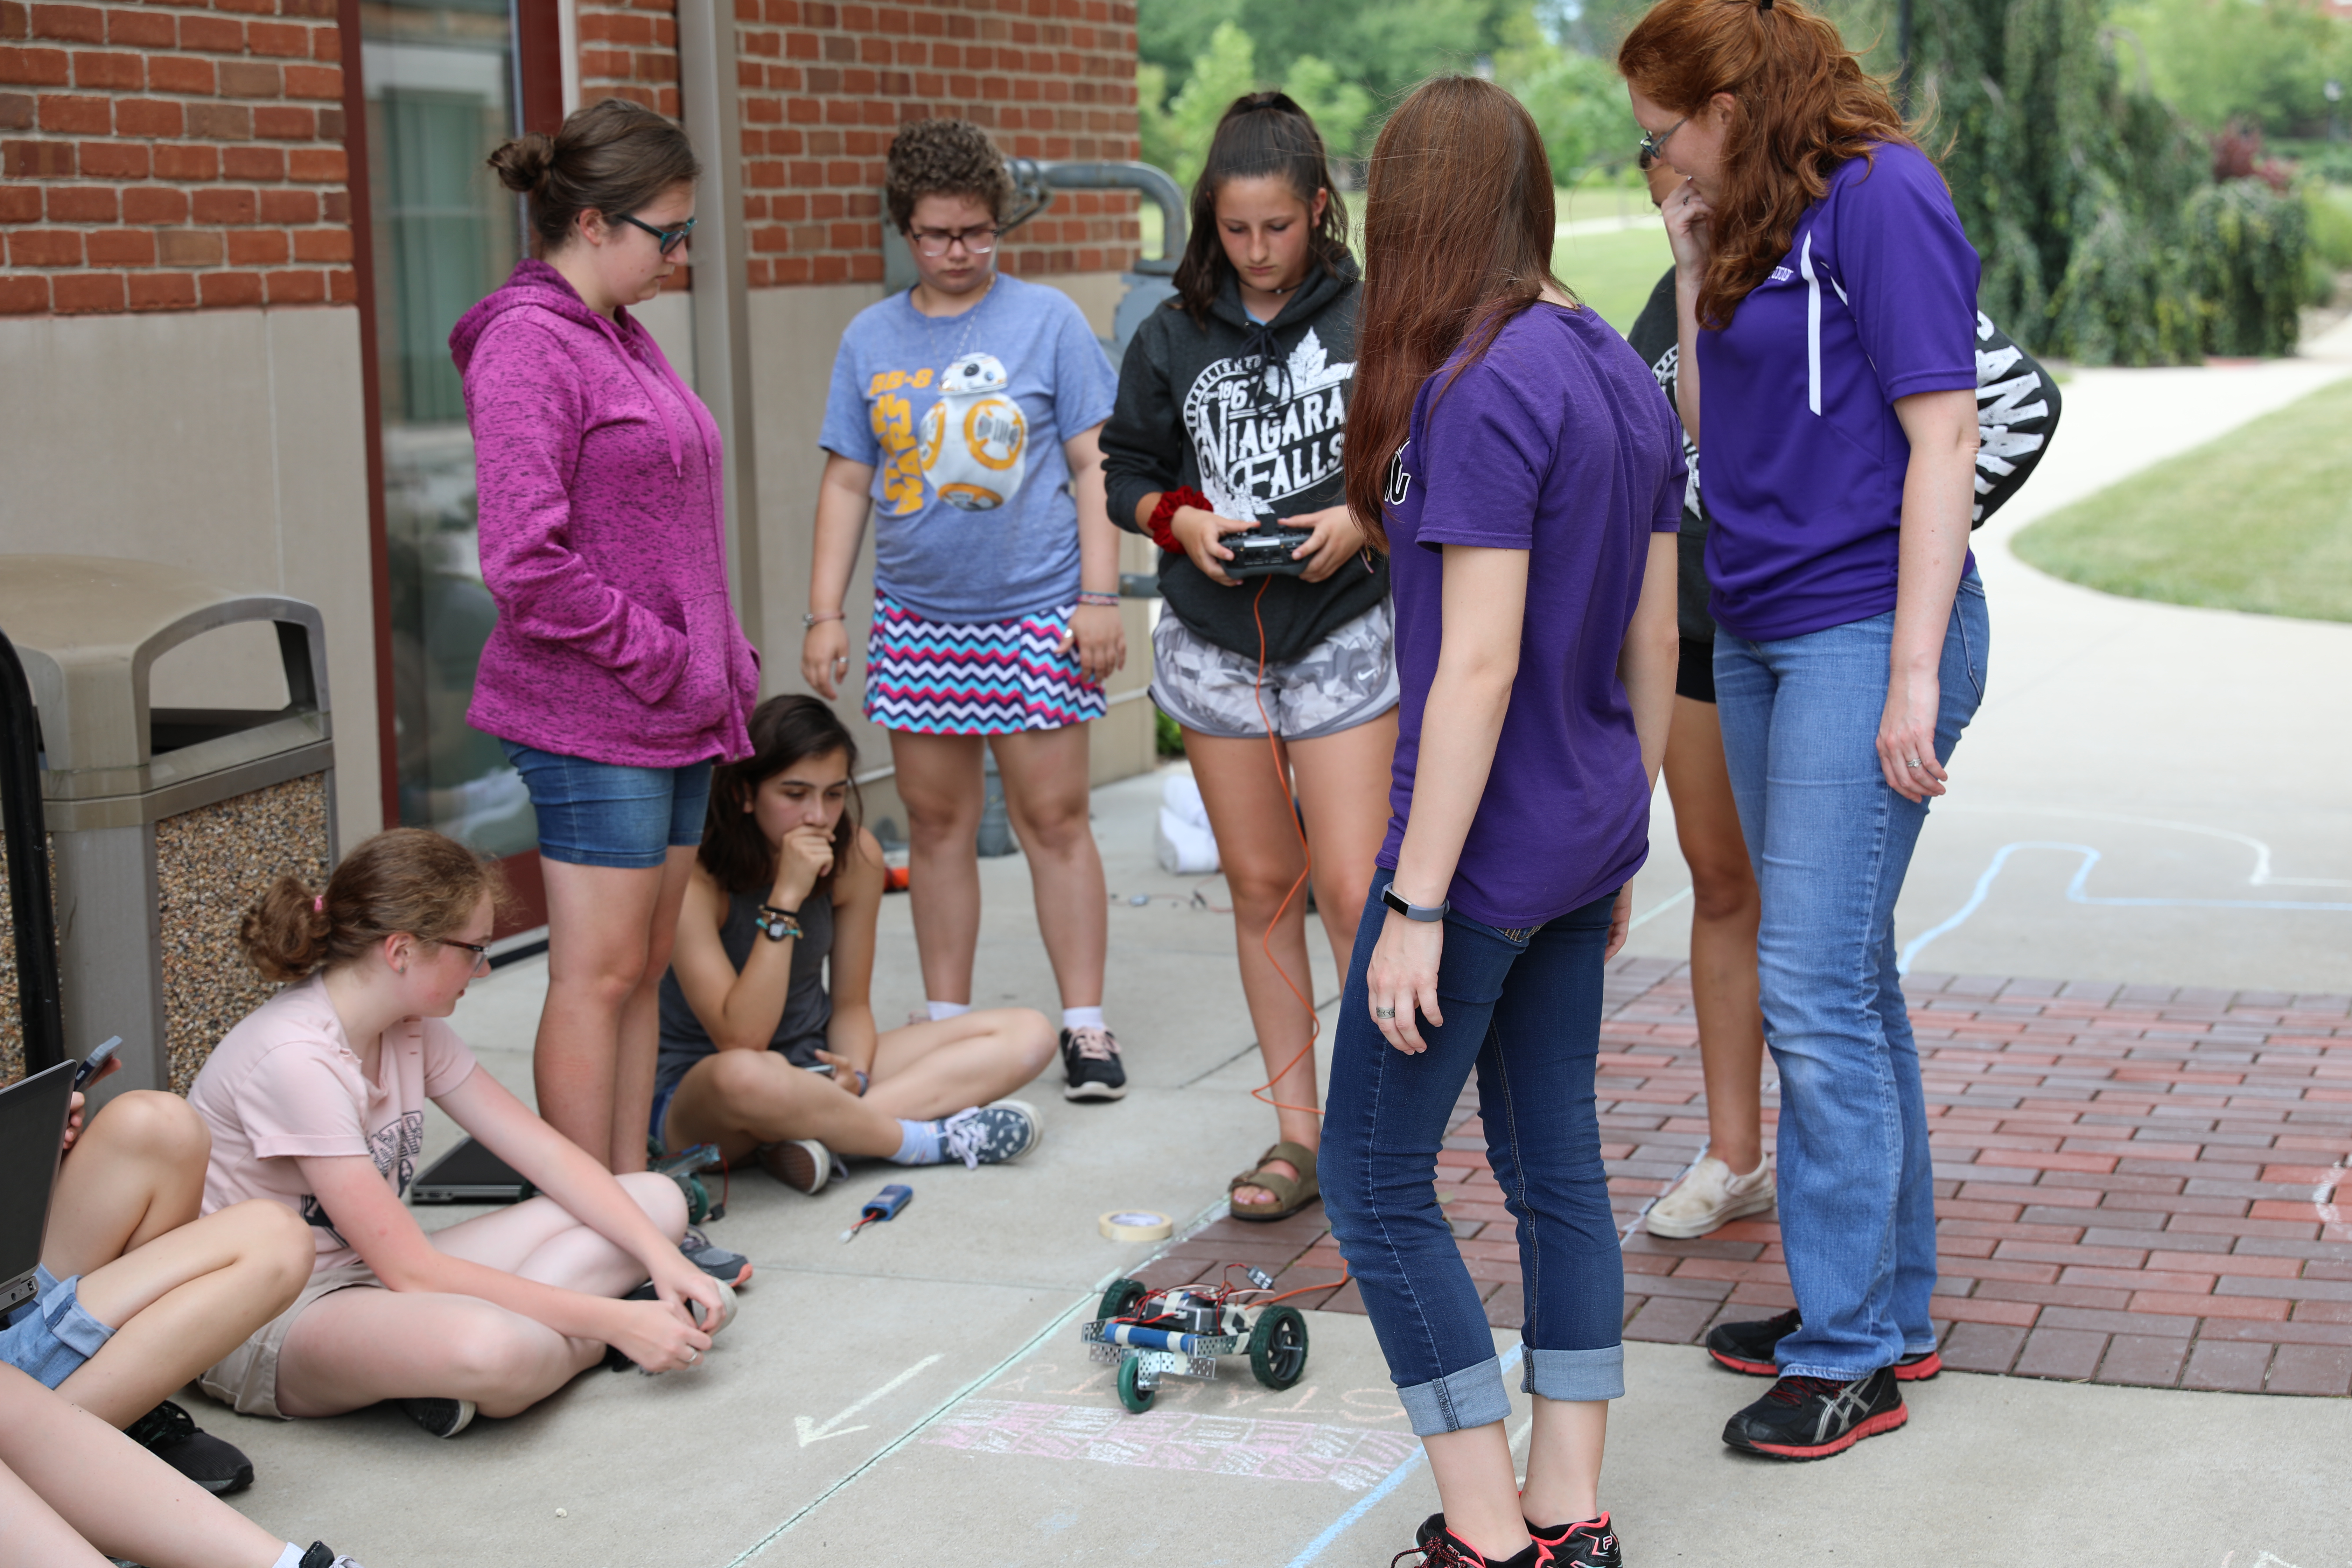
(1425, 913)
(776, 925)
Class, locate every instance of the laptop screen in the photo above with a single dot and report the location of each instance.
(32, 1119)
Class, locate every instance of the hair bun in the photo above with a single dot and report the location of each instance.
(523, 163)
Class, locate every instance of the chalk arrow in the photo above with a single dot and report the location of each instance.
(812, 1432)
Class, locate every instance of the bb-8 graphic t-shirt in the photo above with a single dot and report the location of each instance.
(962, 420)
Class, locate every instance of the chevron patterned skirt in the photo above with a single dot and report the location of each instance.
(974, 678)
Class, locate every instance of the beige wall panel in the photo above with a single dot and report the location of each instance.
(227, 442)
(670, 319)
(792, 337)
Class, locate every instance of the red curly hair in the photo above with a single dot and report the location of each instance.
(1804, 105)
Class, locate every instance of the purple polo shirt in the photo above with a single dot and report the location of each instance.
(1876, 300)
(1557, 442)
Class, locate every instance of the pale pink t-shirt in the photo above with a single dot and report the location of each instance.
(286, 1082)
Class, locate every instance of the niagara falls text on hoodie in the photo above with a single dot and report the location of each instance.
(603, 537)
(1251, 414)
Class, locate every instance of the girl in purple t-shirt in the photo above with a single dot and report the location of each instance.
(1826, 297)
(1527, 479)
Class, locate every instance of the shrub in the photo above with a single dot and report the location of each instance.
(2246, 243)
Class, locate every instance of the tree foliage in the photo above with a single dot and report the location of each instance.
(1176, 131)
(2264, 60)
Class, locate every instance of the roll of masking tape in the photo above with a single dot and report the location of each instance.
(1136, 1225)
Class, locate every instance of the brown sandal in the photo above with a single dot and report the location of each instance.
(1291, 1194)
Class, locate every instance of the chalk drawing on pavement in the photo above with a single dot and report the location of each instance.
(1351, 1459)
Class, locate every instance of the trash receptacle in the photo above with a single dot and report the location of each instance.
(165, 823)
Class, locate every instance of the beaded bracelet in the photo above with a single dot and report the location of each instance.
(1163, 517)
(1102, 601)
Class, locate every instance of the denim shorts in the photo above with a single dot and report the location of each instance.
(602, 814)
(51, 1335)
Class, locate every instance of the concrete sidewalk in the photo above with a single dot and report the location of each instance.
(920, 1393)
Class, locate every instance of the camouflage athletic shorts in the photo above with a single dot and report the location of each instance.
(1347, 679)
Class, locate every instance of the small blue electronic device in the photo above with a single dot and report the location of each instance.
(884, 1205)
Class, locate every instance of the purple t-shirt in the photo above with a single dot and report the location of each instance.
(1557, 442)
(1876, 300)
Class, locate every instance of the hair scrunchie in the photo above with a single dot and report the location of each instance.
(319, 904)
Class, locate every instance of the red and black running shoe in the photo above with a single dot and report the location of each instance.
(1590, 1543)
(1434, 1546)
(1813, 1417)
(1748, 1348)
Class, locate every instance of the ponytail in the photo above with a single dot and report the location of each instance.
(405, 881)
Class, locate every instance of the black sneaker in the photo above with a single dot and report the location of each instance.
(1436, 1546)
(442, 1417)
(171, 1434)
(1748, 1347)
(1090, 1061)
(322, 1555)
(1591, 1543)
(1813, 1417)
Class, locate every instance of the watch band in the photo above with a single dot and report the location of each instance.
(776, 925)
(1425, 913)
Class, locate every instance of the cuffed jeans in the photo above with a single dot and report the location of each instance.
(1831, 845)
(1524, 1007)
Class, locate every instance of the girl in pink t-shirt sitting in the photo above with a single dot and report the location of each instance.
(317, 1101)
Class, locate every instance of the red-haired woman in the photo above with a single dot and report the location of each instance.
(1514, 456)
(1826, 297)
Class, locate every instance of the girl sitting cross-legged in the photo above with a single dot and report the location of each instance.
(759, 1053)
(316, 1100)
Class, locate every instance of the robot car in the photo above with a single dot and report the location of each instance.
(1181, 1330)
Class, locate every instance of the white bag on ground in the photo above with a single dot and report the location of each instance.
(1185, 846)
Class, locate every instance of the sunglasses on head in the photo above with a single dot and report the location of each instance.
(669, 239)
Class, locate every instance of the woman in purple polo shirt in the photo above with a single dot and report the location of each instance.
(1515, 457)
(1826, 297)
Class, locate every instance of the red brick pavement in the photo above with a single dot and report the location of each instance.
(2133, 1185)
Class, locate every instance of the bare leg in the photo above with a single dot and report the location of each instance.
(1257, 844)
(73, 1472)
(1045, 773)
(925, 1071)
(136, 1173)
(1564, 1461)
(939, 779)
(633, 1091)
(185, 1299)
(1478, 1489)
(1725, 908)
(740, 1099)
(600, 922)
(357, 1347)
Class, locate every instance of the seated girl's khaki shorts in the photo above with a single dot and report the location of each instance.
(246, 1378)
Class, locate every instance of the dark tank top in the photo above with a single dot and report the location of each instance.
(808, 1010)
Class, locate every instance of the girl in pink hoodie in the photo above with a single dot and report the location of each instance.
(618, 673)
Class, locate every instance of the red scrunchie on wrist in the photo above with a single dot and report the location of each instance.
(1163, 517)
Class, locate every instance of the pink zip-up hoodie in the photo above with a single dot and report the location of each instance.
(602, 538)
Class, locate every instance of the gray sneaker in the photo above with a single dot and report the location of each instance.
(990, 1134)
(727, 1267)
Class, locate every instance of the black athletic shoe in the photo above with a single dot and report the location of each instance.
(1090, 1061)
(1591, 1543)
(1748, 1347)
(442, 1417)
(171, 1434)
(1813, 1417)
(1434, 1546)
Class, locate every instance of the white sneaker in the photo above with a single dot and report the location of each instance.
(1711, 1195)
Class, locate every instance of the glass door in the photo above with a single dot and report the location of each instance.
(440, 80)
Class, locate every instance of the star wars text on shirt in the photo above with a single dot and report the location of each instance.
(1267, 432)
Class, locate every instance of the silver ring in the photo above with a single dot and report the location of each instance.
(1913, 762)
(692, 1354)
(1383, 1012)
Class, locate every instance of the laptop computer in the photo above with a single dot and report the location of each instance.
(32, 1124)
(469, 1174)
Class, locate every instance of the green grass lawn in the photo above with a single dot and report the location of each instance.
(2259, 520)
(1613, 273)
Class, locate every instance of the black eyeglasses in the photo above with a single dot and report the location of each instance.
(934, 242)
(478, 950)
(669, 239)
(1653, 147)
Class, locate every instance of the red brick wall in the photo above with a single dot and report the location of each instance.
(823, 87)
(628, 48)
(171, 156)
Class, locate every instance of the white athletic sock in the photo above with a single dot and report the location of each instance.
(943, 1011)
(919, 1143)
(1082, 1018)
(291, 1557)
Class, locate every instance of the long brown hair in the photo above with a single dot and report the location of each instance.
(404, 880)
(784, 730)
(1457, 241)
(1804, 105)
(1260, 133)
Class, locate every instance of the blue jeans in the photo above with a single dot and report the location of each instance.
(1524, 1007)
(1830, 844)
(603, 813)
